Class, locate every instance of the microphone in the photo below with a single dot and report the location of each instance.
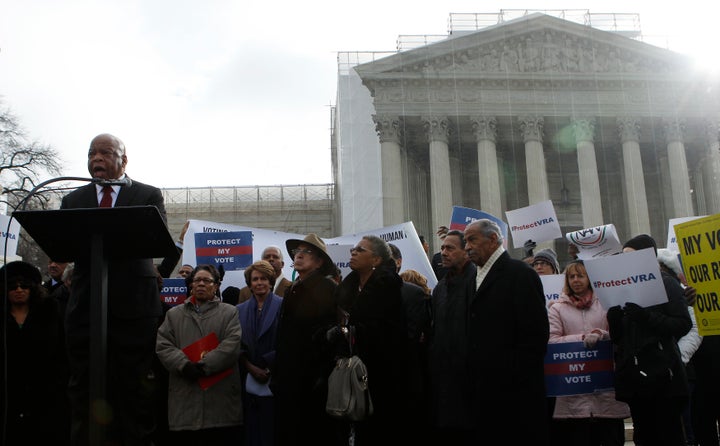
(112, 182)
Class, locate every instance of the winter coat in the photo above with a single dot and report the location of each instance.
(36, 375)
(303, 361)
(569, 324)
(647, 342)
(449, 380)
(377, 314)
(189, 406)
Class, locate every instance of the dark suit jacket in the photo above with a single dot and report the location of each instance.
(132, 284)
(508, 332)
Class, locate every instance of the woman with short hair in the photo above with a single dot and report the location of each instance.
(197, 415)
(259, 318)
(371, 296)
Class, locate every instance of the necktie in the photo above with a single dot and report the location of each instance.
(106, 201)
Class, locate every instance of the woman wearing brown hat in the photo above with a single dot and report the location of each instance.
(303, 360)
(34, 372)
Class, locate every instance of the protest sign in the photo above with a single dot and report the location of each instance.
(552, 286)
(594, 242)
(699, 243)
(536, 222)
(573, 369)
(232, 250)
(671, 237)
(173, 291)
(403, 235)
(627, 277)
(462, 216)
(9, 234)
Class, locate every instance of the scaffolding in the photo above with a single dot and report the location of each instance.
(626, 24)
(301, 208)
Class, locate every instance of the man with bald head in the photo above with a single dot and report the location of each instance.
(133, 311)
(273, 255)
(507, 334)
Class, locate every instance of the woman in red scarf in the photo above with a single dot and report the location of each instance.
(577, 316)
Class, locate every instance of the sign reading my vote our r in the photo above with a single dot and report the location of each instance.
(232, 250)
(699, 243)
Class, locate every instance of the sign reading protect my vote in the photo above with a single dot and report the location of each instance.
(232, 250)
(173, 291)
(572, 369)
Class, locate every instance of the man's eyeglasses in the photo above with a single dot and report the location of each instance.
(297, 251)
(358, 248)
(541, 263)
(203, 280)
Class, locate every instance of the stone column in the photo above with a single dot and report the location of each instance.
(637, 207)
(679, 176)
(437, 129)
(584, 129)
(485, 131)
(389, 131)
(532, 132)
(711, 167)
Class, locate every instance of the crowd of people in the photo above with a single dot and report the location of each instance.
(462, 363)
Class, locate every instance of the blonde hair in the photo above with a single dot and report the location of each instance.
(263, 267)
(412, 276)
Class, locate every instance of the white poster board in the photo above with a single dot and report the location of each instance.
(598, 241)
(536, 222)
(404, 236)
(9, 236)
(552, 286)
(628, 277)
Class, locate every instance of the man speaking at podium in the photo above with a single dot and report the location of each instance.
(133, 312)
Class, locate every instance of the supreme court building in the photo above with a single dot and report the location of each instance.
(539, 107)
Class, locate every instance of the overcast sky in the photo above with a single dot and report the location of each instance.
(232, 92)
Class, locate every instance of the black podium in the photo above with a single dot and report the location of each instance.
(99, 234)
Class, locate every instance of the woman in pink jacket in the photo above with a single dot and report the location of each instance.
(588, 419)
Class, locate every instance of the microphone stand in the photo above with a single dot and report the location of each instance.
(22, 205)
(98, 307)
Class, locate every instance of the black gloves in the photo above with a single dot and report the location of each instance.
(635, 312)
(614, 318)
(528, 247)
(192, 371)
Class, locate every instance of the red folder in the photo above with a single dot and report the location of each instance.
(197, 350)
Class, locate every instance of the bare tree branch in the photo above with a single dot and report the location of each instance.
(24, 162)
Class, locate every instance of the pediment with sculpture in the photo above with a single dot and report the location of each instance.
(545, 51)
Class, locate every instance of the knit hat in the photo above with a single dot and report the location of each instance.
(670, 259)
(549, 256)
(641, 241)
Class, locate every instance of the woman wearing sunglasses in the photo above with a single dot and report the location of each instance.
(34, 372)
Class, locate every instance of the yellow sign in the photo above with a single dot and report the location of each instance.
(699, 245)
